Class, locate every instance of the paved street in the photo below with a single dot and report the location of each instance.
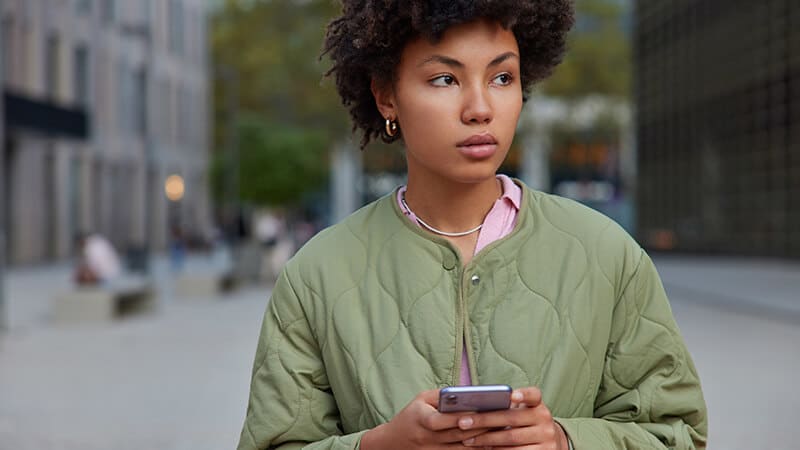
(178, 379)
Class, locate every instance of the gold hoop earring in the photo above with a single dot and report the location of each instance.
(391, 127)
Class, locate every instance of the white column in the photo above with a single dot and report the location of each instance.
(346, 178)
(3, 308)
(535, 161)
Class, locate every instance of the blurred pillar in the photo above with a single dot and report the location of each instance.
(627, 167)
(535, 163)
(346, 175)
(539, 116)
(3, 305)
(232, 207)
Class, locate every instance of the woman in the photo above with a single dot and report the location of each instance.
(463, 276)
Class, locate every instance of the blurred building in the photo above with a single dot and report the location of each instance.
(718, 126)
(103, 100)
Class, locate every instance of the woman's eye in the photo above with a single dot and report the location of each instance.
(443, 80)
(503, 79)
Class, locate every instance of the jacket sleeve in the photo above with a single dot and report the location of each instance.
(291, 405)
(649, 396)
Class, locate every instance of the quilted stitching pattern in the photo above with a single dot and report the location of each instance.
(380, 298)
(528, 311)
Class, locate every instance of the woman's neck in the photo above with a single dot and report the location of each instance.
(452, 207)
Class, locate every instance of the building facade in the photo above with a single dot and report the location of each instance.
(718, 125)
(104, 99)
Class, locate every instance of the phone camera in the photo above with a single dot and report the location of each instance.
(451, 399)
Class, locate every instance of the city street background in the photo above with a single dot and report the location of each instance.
(179, 379)
(206, 128)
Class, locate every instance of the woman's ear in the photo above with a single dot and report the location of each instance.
(384, 99)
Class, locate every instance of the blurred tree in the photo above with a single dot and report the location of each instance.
(302, 166)
(272, 47)
(277, 164)
(598, 59)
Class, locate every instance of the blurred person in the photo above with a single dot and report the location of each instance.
(269, 230)
(303, 230)
(177, 248)
(465, 276)
(98, 261)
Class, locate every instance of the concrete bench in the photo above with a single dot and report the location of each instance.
(105, 302)
(204, 284)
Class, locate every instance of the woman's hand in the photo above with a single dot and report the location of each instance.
(527, 425)
(421, 426)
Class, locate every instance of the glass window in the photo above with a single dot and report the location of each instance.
(145, 11)
(123, 98)
(6, 48)
(109, 11)
(83, 7)
(176, 31)
(52, 67)
(81, 75)
(140, 102)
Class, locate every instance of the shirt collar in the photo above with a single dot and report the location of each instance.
(511, 192)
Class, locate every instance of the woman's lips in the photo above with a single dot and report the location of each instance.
(479, 146)
(481, 151)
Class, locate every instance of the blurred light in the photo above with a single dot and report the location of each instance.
(174, 187)
(662, 239)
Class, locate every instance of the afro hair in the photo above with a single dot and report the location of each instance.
(367, 40)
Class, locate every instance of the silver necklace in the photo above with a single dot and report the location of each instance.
(435, 230)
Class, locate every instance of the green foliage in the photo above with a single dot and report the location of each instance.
(270, 50)
(598, 59)
(273, 47)
(278, 163)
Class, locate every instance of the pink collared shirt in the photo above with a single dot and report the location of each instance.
(499, 222)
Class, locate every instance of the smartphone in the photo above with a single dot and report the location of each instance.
(474, 398)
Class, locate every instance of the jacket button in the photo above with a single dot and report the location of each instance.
(449, 261)
(475, 280)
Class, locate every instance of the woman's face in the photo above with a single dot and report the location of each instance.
(457, 102)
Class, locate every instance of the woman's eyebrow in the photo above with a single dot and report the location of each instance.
(502, 58)
(448, 61)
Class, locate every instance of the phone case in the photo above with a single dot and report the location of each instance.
(474, 398)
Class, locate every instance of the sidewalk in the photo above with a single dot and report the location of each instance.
(179, 379)
(30, 291)
(754, 286)
(762, 287)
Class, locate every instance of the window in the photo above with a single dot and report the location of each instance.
(145, 11)
(7, 48)
(52, 67)
(83, 7)
(126, 98)
(81, 79)
(108, 11)
(140, 102)
(176, 31)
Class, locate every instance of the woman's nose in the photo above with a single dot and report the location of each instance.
(477, 107)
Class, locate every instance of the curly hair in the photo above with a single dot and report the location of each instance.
(366, 42)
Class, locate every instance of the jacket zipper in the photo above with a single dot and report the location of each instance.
(463, 334)
(460, 317)
(466, 340)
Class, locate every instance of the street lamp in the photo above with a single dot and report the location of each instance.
(174, 188)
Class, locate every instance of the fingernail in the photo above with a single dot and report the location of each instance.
(469, 441)
(465, 422)
(516, 396)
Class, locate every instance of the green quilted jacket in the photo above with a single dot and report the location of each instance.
(374, 310)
